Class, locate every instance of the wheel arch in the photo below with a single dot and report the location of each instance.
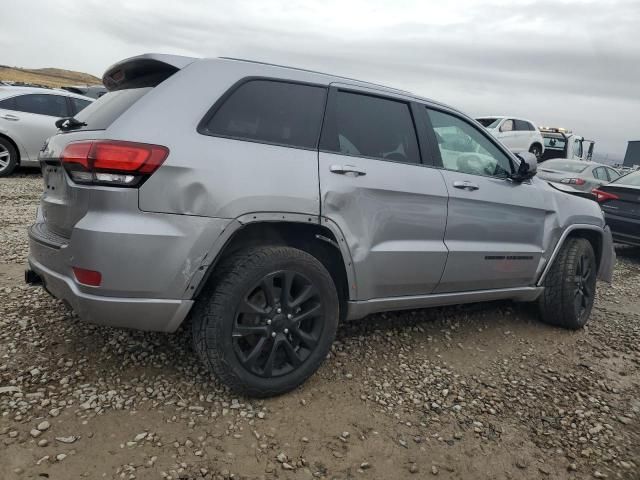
(592, 233)
(324, 241)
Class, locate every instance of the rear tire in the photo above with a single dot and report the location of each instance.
(536, 150)
(8, 157)
(257, 339)
(570, 286)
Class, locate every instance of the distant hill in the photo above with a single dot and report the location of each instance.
(50, 77)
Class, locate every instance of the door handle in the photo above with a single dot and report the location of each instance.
(346, 169)
(465, 185)
(8, 116)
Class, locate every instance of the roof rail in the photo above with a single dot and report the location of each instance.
(404, 92)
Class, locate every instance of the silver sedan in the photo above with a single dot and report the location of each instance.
(581, 175)
(27, 118)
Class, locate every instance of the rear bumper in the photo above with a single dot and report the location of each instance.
(139, 313)
(625, 229)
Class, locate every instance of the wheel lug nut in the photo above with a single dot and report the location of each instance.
(273, 334)
(289, 316)
(269, 321)
(279, 310)
(286, 330)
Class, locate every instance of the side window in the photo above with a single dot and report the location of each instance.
(530, 127)
(79, 104)
(271, 112)
(41, 104)
(507, 126)
(368, 126)
(577, 148)
(613, 175)
(463, 148)
(8, 103)
(521, 125)
(600, 173)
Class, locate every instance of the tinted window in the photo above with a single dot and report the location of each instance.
(463, 148)
(103, 112)
(52, 105)
(8, 103)
(271, 112)
(530, 127)
(521, 125)
(79, 104)
(577, 148)
(489, 122)
(632, 179)
(367, 126)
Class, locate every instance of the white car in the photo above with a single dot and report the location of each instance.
(517, 134)
(27, 118)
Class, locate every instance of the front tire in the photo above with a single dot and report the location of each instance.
(570, 286)
(8, 157)
(266, 322)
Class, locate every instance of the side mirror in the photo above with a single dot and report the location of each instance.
(528, 167)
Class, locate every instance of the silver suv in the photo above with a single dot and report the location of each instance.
(267, 203)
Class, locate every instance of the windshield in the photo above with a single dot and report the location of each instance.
(632, 179)
(565, 165)
(489, 122)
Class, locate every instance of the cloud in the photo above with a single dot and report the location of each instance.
(571, 63)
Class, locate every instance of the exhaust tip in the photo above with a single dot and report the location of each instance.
(32, 278)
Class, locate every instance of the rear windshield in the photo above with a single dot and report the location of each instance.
(488, 122)
(632, 179)
(104, 111)
(566, 165)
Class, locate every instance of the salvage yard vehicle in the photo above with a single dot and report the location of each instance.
(620, 202)
(563, 143)
(27, 118)
(517, 134)
(266, 203)
(583, 176)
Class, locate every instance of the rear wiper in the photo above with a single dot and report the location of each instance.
(69, 123)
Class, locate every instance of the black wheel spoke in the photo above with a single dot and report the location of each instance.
(292, 355)
(285, 291)
(269, 291)
(249, 307)
(306, 338)
(246, 330)
(303, 296)
(250, 360)
(268, 365)
(310, 313)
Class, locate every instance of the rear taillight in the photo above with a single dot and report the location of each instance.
(573, 181)
(602, 196)
(110, 162)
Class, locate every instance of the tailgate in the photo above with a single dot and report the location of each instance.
(63, 202)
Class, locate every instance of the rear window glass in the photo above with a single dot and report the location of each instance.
(489, 122)
(271, 112)
(566, 165)
(632, 179)
(104, 111)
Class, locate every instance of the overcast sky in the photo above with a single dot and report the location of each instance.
(562, 63)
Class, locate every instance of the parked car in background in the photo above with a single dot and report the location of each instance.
(517, 134)
(27, 119)
(620, 202)
(92, 91)
(563, 143)
(282, 201)
(583, 176)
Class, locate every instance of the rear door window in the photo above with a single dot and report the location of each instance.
(79, 104)
(41, 104)
(600, 173)
(270, 111)
(521, 125)
(369, 126)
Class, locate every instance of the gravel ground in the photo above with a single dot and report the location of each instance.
(480, 391)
